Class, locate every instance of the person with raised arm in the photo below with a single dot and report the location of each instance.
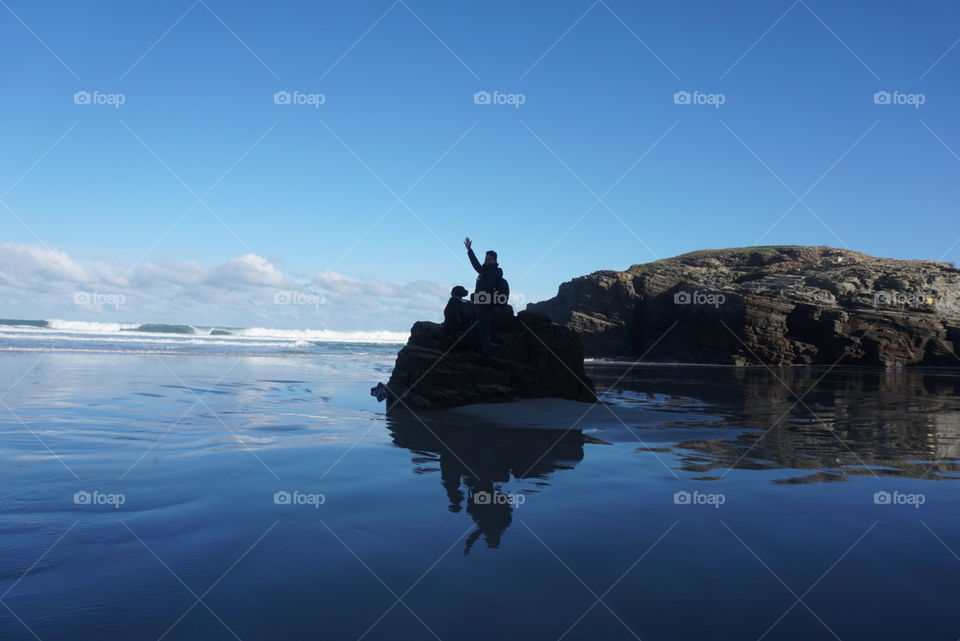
(491, 290)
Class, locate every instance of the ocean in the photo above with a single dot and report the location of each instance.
(161, 338)
(179, 482)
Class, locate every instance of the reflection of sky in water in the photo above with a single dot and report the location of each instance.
(400, 500)
(125, 403)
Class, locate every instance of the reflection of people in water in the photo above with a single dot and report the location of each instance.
(475, 462)
(450, 478)
(492, 518)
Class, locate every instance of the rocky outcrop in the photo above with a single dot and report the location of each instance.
(531, 357)
(768, 305)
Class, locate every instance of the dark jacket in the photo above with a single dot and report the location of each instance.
(489, 280)
(455, 316)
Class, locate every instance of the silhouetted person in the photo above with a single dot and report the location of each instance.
(457, 316)
(491, 290)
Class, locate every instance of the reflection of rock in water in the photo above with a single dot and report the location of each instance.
(900, 422)
(474, 462)
(946, 430)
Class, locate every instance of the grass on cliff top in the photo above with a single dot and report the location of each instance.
(745, 252)
(738, 252)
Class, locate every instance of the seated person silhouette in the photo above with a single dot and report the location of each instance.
(457, 317)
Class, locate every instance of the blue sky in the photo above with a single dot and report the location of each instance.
(199, 197)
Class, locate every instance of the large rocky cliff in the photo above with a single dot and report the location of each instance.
(768, 305)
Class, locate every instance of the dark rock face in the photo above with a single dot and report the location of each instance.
(768, 305)
(532, 357)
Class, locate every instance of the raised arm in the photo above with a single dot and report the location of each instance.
(473, 257)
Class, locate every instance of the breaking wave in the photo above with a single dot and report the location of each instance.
(58, 334)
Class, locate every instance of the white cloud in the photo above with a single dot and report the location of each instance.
(115, 276)
(345, 285)
(248, 269)
(184, 273)
(32, 265)
(348, 286)
(38, 283)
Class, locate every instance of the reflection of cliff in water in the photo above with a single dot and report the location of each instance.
(475, 462)
(901, 423)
